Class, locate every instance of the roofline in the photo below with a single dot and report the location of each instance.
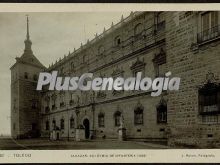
(22, 62)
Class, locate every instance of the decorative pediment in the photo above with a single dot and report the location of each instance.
(138, 64)
(139, 106)
(162, 103)
(117, 113)
(117, 72)
(160, 58)
(211, 78)
(210, 85)
(209, 88)
(101, 114)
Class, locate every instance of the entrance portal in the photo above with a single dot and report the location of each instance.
(86, 125)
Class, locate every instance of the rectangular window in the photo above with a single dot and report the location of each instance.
(209, 103)
(138, 116)
(54, 124)
(72, 124)
(117, 120)
(209, 20)
(47, 125)
(25, 75)
(206, 21)
(161, 117)
(101, 120)
(62, 124)
(209, 26)
(117, 117)
(162, 113)
(71, 102)
(62, 98)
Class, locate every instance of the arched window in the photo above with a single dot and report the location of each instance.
(62, 124)
(117, 41)
(138, 116)
(117, 117)
(72, 124)
(162, 113)
(101, 120)
(138, 29)
(47, 125)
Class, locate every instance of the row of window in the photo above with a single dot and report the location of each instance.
(62, 124)
(137, 66)
(209, 30)
(209, 99)
(209, 26)
(138, 30)
(26, 76)
(138, 118)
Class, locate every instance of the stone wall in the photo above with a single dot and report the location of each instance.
(192, 65)
(24, 95)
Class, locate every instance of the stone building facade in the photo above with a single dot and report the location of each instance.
(185, 43)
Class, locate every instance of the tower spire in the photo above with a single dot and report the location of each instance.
(28, 43)
(28, 36)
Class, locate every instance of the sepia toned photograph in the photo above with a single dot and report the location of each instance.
(150, 80)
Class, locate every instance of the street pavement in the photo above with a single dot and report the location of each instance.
(43, 144)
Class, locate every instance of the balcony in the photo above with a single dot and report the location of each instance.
(208, 35)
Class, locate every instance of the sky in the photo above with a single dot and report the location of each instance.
(52, 36)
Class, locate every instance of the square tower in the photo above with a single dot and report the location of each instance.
(25, 102)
